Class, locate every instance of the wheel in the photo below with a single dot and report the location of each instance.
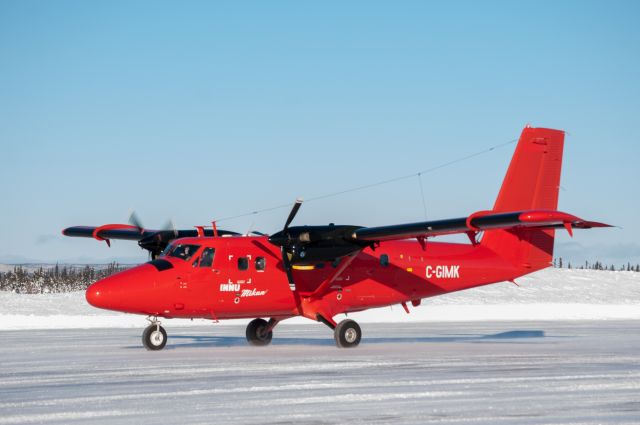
(347, 334)
(256, 334)
(154, 337)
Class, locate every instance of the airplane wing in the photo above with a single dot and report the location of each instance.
(304, 245)
(133, 233)
(107, 232)
(155, 241)
(476, 222)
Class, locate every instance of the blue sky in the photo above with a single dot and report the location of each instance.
(197, 110)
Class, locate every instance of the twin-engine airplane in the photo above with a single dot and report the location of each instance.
(322, 271)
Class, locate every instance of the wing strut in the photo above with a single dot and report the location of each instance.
(342, 266)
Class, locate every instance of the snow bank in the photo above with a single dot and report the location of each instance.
(551, 294)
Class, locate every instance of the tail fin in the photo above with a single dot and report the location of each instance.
(532, 182)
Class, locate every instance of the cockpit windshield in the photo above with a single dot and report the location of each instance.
(184, 251)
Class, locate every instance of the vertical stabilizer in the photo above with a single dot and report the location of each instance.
(532, 182)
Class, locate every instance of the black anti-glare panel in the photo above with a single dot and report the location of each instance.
(161, 264)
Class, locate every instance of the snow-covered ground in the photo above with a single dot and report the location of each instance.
(483, 373)
(552, 294)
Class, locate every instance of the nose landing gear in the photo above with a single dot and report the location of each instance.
(154, 336)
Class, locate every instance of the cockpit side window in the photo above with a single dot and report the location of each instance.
(167, 250)
(184, 251)
(206, 259)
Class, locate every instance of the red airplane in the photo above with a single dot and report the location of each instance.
(320, 272)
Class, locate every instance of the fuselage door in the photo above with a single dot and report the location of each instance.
(204, 271)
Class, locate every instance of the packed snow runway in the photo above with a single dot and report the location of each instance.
(577, 372)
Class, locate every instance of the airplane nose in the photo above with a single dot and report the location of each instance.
(95, 296)
(110, 293)
(130, 291)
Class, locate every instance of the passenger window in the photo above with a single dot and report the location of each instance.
(260, 263)
(206, 260)
(243, 263)
(384, 260)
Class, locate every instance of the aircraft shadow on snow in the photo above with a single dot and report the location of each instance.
(182, 341)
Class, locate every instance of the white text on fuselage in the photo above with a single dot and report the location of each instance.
(252, 293)
(229, 287)
(443, 272)
(235, 287)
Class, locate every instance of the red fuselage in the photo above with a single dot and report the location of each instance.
(247, 279)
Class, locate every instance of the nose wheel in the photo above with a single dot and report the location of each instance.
(154, 337)
(347, 334)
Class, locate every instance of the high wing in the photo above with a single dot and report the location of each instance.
(155, 241)
(108, 232)
(476, 222)
(305, 245)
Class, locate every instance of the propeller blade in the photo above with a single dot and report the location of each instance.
(134, 220)
(282, 239)
(293, 213)
(170, 226)
(287, 267)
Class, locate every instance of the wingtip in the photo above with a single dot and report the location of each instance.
(591, 224)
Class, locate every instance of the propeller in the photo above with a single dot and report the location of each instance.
(170, 226)
(310, 245)
(154, 241)
(134, 220)
(283, 247)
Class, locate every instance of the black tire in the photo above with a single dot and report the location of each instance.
(154, 338)
(347, 334)
(256, 334)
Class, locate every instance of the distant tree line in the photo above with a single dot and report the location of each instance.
(63, 278)
(596, 265)
(66, 278)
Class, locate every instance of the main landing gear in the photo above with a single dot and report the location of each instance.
(154, 336)
(347, 334)
(260, 332)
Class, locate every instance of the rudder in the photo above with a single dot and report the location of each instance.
(532, 182)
